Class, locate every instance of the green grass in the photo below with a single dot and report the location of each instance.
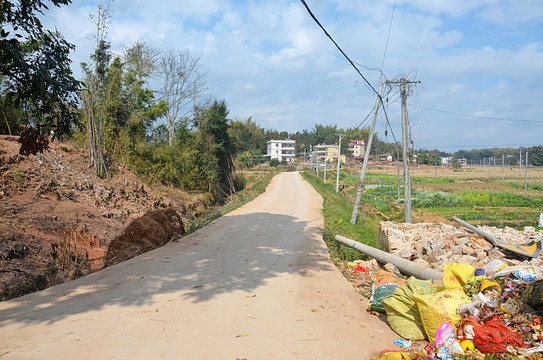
(337, 210)
(503, 198)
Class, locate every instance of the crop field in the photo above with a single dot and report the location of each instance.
(479, 195)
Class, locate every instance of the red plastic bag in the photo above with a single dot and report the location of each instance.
(495, 336)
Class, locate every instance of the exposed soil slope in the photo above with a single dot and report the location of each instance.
(57, 217)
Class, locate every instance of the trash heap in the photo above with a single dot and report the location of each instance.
(481, 304)
(469, 314)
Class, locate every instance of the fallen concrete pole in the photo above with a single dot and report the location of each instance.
(405, 266)
(478, 231)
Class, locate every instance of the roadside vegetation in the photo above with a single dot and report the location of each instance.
(437, 195)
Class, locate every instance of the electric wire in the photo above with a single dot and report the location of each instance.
(338, 47)
(476, 116)
(388, 36)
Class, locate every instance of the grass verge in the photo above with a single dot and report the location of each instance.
(237, 200)
(337, 211)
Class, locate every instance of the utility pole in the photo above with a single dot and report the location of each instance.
(494, 165)
(405, 135)
(325, 163)
(304, 158)
(503, 167)
(398, 168)
(526, 172)
(338, 161)
(520, 162)
(317, 160)
(361, 181)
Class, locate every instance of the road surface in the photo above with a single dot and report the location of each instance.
(257, 284)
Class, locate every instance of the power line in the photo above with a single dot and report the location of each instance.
(388, 36)
(337, 46)
(476, 116)
(476, 146)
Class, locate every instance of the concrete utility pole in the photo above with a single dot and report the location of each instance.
(494, 166)
(325, 163)
(398, 168)
(405, 135)
(338, 162)
(520, 162)
(361, 181)
(526, 172)
(304, 158)
(503, 167)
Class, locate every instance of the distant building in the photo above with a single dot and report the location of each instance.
(357, 148)
(327, 153)
(446, 160)
(385, 157)
(463, 161)
(282, 150)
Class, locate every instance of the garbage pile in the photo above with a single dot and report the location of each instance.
(493, 312)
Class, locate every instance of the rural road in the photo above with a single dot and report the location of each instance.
(257, 283)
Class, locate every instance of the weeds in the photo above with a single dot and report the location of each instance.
(337, 211)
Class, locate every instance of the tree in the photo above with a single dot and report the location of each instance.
(247, 136)
(96, 94)
(183, 83)
(35, 65)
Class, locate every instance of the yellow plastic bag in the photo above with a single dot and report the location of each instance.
(402, 310)
(456, 275)
(436, 308)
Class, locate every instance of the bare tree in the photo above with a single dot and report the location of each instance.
(94, 95)
(183, 83)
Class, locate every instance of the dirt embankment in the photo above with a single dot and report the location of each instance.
(57, 218)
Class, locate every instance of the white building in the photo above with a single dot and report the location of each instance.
(282, 150)
(446, 160)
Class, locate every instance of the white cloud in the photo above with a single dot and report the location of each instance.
(270, 60)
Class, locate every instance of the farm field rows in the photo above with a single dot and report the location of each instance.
(476, 194)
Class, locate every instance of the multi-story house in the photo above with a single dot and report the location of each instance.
(282, 150)
(357, 148)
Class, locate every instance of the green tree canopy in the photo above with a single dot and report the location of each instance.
(35, 65)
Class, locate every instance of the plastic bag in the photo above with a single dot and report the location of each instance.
(456, 275)
(440, 307)
(495, 336)
(384, 284)
(533, 296)
(402, 311)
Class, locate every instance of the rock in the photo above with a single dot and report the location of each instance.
(392, 268)
(457, 249)
(466, 250)
(496, 254)
(406, 254)
(463, 240)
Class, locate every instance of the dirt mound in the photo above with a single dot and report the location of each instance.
(57, 217)
(146, 233)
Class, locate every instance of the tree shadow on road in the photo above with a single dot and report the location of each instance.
(234, 253)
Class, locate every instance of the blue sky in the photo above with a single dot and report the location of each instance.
(270, 61)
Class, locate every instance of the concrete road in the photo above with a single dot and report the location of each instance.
(256, 284)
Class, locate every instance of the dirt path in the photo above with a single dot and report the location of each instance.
(255, 284)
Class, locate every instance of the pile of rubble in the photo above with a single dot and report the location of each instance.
(434, 245)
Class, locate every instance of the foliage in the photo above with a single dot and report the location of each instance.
(337, 214)
(247, 137)
(426, 199)
(35, 69)
(274, 162)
